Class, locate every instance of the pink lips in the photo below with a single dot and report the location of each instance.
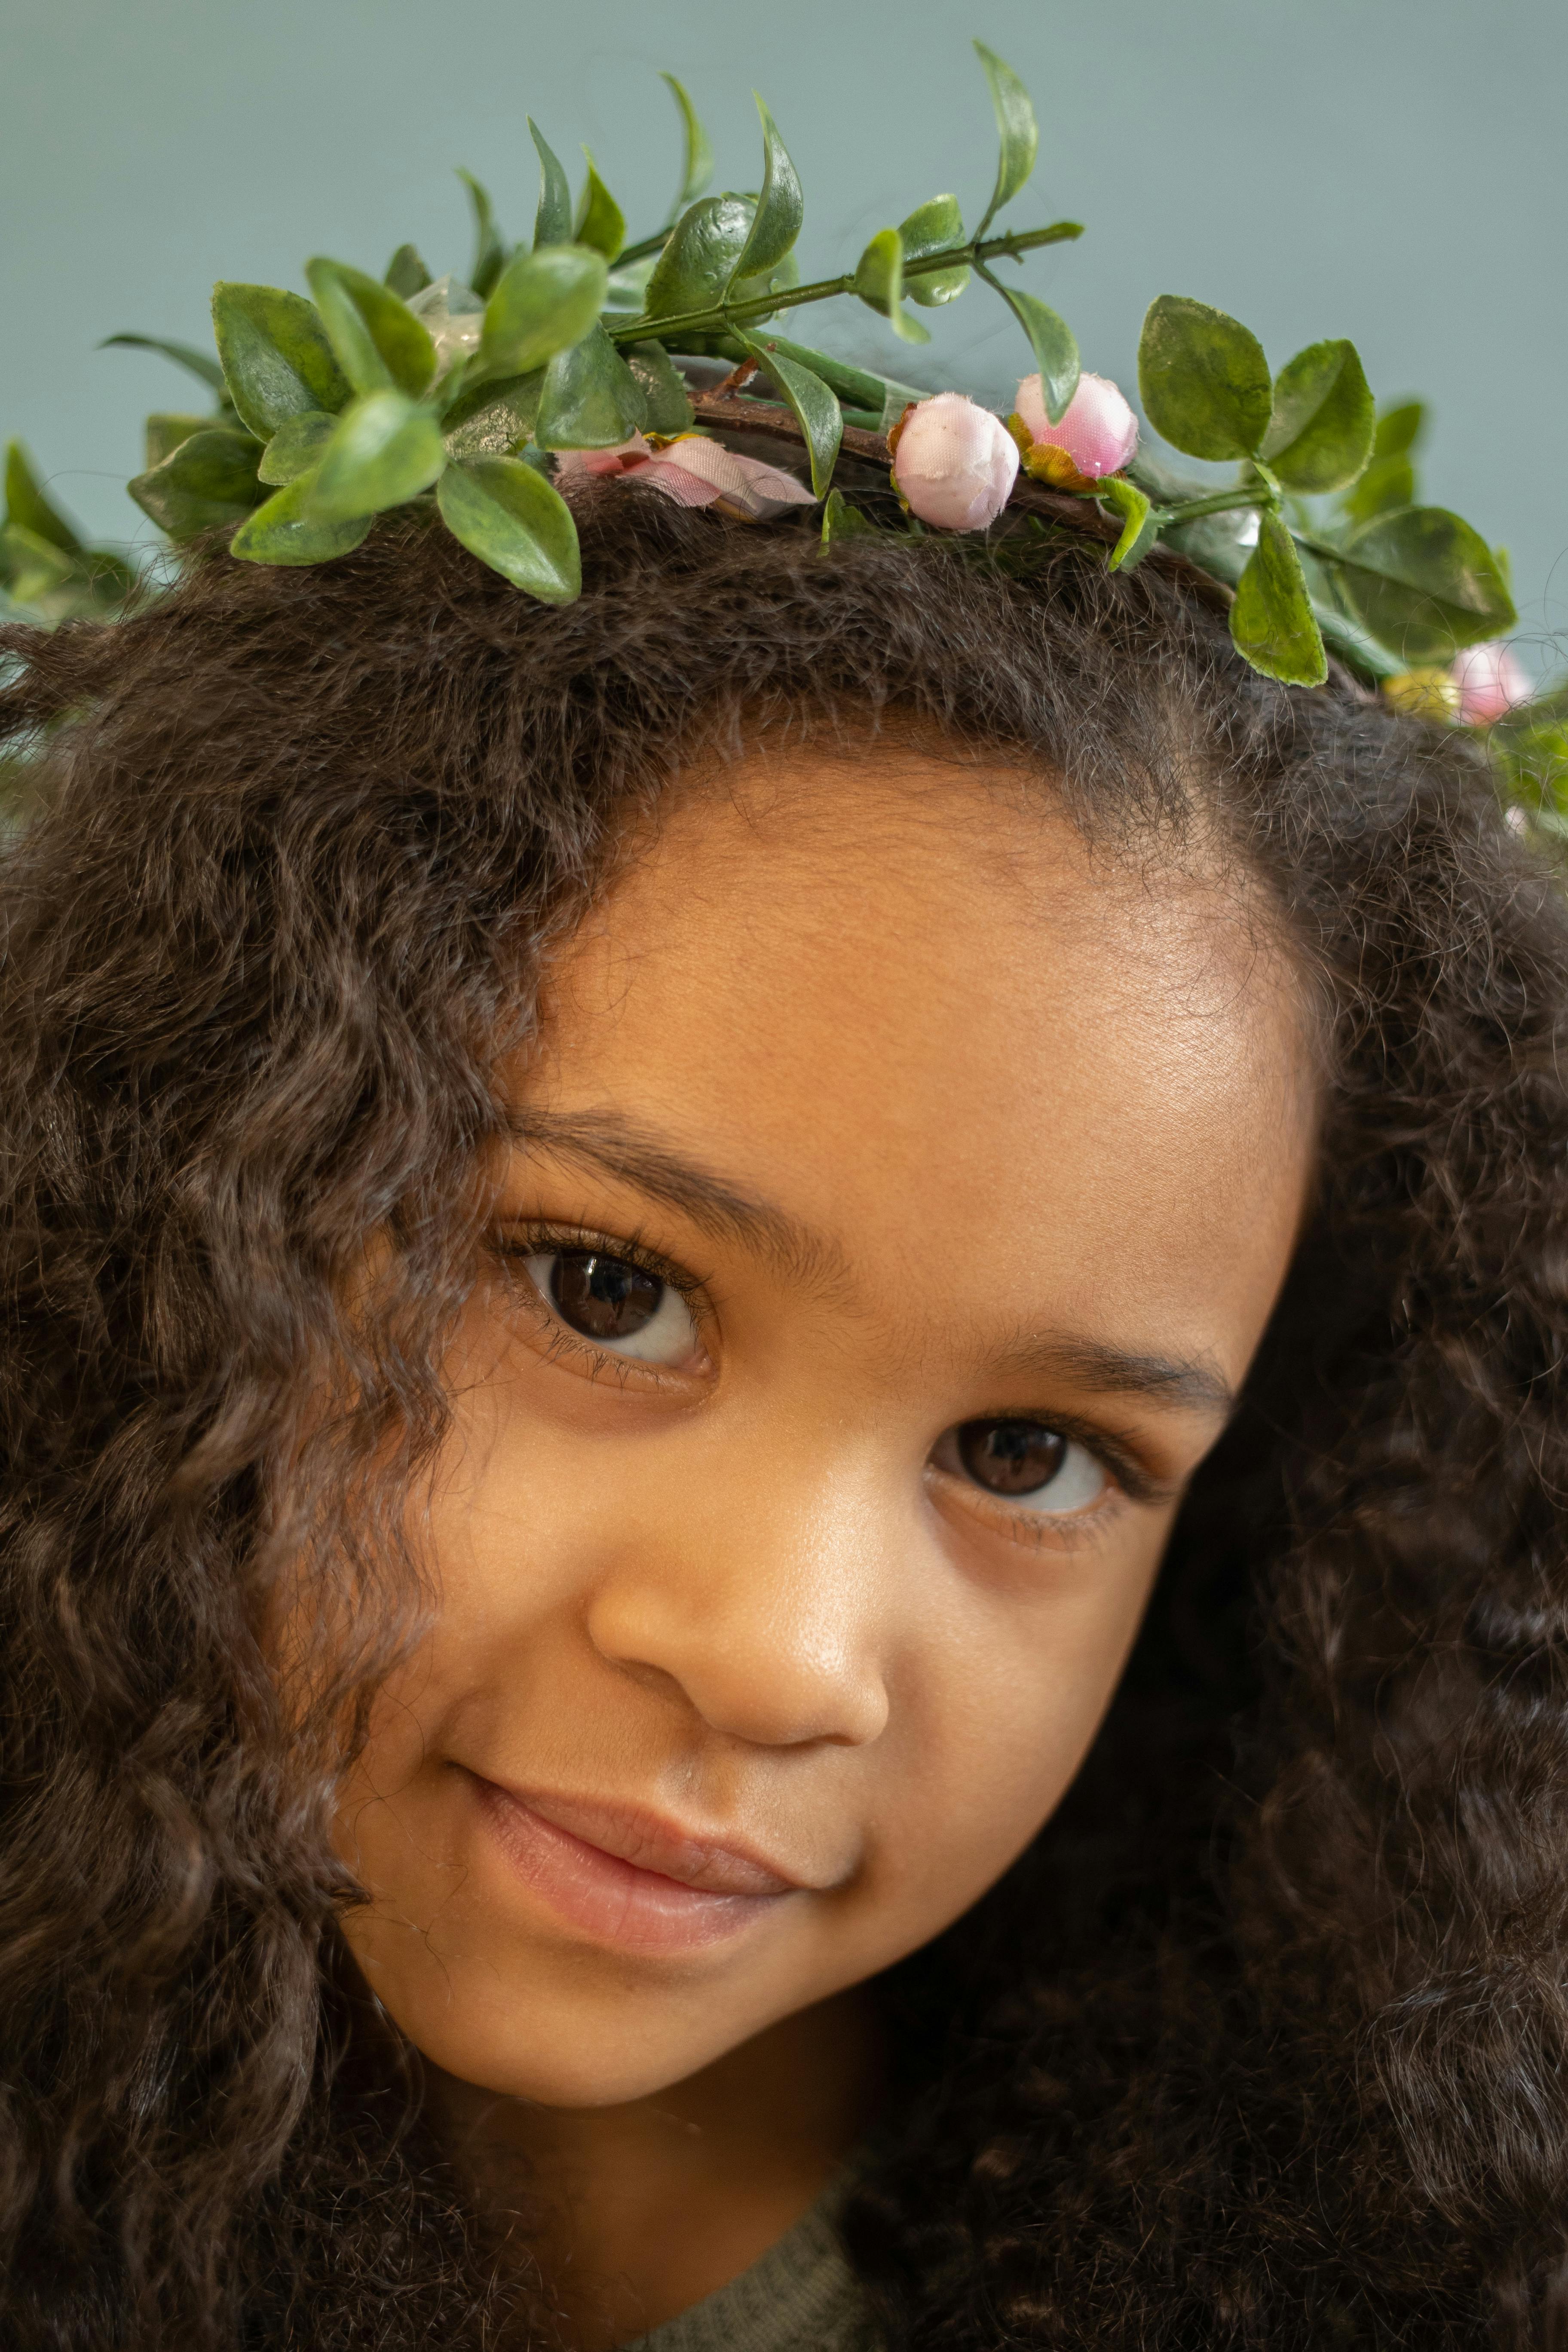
(626, 1877)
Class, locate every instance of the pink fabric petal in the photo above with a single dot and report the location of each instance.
(755, 490)
(626, 458)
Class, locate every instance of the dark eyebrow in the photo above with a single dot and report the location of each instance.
(607, 1141)
(715, 1206)
(1183, 1380)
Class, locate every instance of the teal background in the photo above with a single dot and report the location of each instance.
(1391, 170)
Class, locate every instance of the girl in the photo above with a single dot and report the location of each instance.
(784, 1469)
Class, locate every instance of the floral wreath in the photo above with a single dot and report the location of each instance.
(658, 359)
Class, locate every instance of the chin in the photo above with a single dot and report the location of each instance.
(569, 2055)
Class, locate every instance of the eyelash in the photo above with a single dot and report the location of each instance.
(525, 1239)
(1129, 1481)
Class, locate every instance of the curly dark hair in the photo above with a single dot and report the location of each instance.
(1263, 2044)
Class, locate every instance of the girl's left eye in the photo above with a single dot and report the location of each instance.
(616, 1304)
(1025, 1462)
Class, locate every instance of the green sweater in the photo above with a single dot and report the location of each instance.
(801, 2297)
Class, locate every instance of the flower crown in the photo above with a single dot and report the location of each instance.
(660, 358)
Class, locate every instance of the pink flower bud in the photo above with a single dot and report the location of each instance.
(1490, 682)
(954, 462)
(1099, 431)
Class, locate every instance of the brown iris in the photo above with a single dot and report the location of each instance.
(1011, 1457)
(603, 1297)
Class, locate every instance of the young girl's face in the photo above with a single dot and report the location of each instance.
(904, 1195)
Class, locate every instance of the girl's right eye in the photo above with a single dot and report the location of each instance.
(615, 1305)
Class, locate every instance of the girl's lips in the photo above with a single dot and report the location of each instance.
(576, 1855)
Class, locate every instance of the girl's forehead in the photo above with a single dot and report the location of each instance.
(922, 1047)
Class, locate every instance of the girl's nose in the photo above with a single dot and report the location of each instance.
(766, 1609)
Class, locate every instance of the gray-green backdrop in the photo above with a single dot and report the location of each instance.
(1390, 170)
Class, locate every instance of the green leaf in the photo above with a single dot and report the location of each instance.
(1052, 343)
(517, 522)
(31, 567)
(406, 273)
(1016, 130)
(699, 255)
(206, 483)
(1203, 379)
(163, 432)
(815, 409)
(491, 252)
(287, 530)
(380, 344)
(1425, 583)
(543, 302)
(185, 355)
(26, 506)
(1320, 436)
(879, 395)
(553, 220)
(781, 207)
(1271, 620)
(697, 167)
(297, 446)
(277, 361)
(931, 227)
(600, 222)
(386, 450)
(1399, 428)
(590, 399)
(495, 419)
(663, 388)
(879, 282)
(1139, 523)
(840, 521)
(1387, 484)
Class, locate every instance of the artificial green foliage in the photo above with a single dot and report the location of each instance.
(1018, 133)
(1271, 620)
(406, 273)
(1140, 526)
(880, 281)
(164, 433)
(1052, 343)
(1425, 583)
(543, 302)
(1389, 481)
(841, 520)
(491, 253)
(46, 568)
(590, 399)
(185, 355)
(599, 221)
(495, 418)
(377, 340)
(1320, 436)
(384, 450)
(297, 448)
(697, 167)
(667, 402)
(1204, 380)
(277, 360)
(934, 227)
(287, 529)
(781, 208)
(815, 408)
(700, 258)
(507, 514)
(453, 395)
(553, 220)
(26, 506)
(206, 482)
